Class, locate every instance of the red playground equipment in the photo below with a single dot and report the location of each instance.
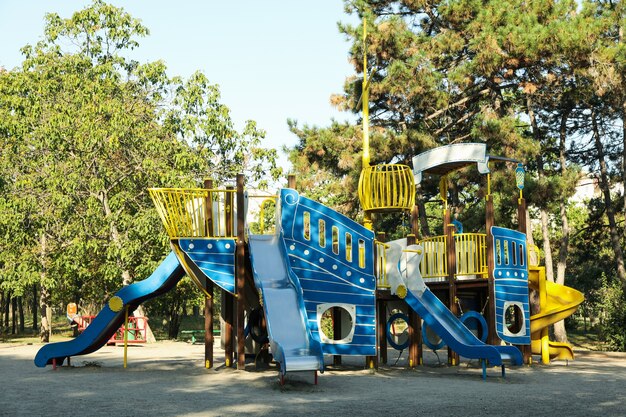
(136, 326)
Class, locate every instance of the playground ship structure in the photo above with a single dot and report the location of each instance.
(318, 267)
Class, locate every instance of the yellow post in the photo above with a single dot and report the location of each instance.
(365, 103)
(125, 336)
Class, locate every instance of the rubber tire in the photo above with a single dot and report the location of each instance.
(390, 340)
(483, 330)
(427, 342)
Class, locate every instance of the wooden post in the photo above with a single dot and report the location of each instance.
(336, 315)
(240, 261)
(453, 357)
(381, 318)
(208, 208)
(523, 228)
(228, 300)
(291, 181)
(208, 325)
(208, 284)
(493, 338)
(415, 222)
(227, 315)
(415, 328)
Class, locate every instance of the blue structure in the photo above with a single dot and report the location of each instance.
(333, 260)
(214, 259)
(106, 323)
(511, 285)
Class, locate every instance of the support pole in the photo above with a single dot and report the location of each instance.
(240, 261)
(228, 300)
(125, 336)
(291, 181)
(208, 300)
(416, 354)
(523, 228)
(493, 338)
(381, 318)
(453, 357)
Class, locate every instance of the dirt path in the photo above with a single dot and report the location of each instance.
(168, 378)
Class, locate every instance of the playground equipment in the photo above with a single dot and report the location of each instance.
(323, 283)
(556, 302)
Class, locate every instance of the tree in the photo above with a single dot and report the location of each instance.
(87, 131)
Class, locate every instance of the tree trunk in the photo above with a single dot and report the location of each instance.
(34, 308)
(560, 334)
(421, 210)
(46, 315)
(606, 192)
(14, 315)
(44, 296)
(543, 213)
(20, 312)
(5, 309)
(127, 278)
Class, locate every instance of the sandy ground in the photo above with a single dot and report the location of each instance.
(168, 378)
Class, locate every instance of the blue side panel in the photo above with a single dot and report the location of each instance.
(333, 260)
(511, 283)
(106, 323)
(215, 258)
(455, 334)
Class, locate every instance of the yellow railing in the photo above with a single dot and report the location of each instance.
(387, 187)
(381, 264)
(471, 258)
(534, 255)
(258, 210)
(434, 263)
(185, 212)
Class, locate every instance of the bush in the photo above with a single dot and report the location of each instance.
(612, 303)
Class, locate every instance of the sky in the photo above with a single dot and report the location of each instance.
(273, 60)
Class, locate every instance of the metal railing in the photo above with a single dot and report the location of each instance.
(387, 187)
(381, 264)
(434, 263)
(258, 207)
(471, 255)
(185, 212)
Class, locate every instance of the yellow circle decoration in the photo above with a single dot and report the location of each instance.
(116, 304)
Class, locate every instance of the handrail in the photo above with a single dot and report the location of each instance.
(471, 254)
(381, 264)
(185, 214)
(267, 199)
(434, 263)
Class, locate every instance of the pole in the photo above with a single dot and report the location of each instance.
(208, 300)
(125, 336)
(240, 261)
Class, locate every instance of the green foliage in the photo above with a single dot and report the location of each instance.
(613, 313)
(85, 130)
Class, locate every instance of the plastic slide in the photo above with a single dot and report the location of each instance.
(100, 330)
(441, 320)
(559, 303)
(292, 344)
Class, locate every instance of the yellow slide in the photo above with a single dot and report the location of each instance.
(556, 302)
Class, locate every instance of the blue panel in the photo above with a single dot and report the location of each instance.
(510, 282)
(331, 273)
(215, 258)
(106, 323)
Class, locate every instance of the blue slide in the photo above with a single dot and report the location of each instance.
(441, 320)
(106, 323)
(291, 341)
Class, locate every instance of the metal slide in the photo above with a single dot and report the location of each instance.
(441, 320)
(292, 344)
(164, 278)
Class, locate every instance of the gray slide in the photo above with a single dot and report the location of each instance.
(291, 342)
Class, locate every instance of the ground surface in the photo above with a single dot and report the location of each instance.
(168, 378)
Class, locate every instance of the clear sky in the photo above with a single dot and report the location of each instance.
(273, 60)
